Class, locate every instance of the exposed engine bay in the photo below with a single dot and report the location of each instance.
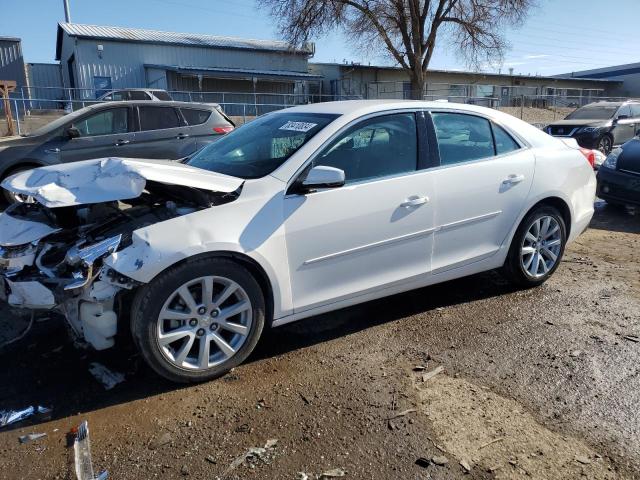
(53, 258)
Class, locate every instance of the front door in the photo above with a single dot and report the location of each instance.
(371, 233)
(481, 187)
(102, 134)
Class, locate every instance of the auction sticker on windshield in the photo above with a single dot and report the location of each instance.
(298, 126)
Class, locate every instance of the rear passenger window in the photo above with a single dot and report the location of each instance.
(119, 96)
(376, 148)
(138, 95)
(162, 95)
(635, 110)
(195, 117)
(462, 138)
(504, 142)
(158, 118)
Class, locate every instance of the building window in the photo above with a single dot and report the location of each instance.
(101, 85)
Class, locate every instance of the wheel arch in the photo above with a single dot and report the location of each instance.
(12, 167)
(252, 265)
(559, 204)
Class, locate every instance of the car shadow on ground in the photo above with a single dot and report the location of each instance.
(46, 368)
(616, 218)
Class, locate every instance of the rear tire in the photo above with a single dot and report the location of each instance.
(532, 257)
(187, 335)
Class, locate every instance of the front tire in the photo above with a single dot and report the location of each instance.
(605, 144)
(536, 248)
(198, 320)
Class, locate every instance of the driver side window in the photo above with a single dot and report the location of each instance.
(109, 122)
(379, 147)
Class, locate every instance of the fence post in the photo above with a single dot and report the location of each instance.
(522, 107)
(15, 103)
(244, 113)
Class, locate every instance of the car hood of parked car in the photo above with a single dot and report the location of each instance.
(111, 179)
(580, 123)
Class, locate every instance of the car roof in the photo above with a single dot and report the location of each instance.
(363, 107)
(137, 90)
(151, 103)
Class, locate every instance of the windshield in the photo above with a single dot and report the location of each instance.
(257, 148)
(57, 123)
(596, 112)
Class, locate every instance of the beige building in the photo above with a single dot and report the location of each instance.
(490, 89)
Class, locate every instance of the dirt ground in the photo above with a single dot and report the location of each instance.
(541, 384)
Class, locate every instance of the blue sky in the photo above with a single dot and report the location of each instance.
(559, 36)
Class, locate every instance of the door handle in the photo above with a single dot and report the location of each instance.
(513, 179)
(52, 150)
(414, 201)
(119, 143)
(180, 136)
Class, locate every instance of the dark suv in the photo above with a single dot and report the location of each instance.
(145, 129)
(600, 125)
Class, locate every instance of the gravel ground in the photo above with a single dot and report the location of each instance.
(542, 383)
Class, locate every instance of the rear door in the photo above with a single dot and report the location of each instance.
(106, 133)
(481, 187)
(163, 134)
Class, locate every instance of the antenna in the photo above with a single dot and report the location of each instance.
(67, 12)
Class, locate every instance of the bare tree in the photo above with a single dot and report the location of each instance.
(406, 29)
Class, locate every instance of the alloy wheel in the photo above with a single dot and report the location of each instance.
(541, 247)
(604, 145)
(204, 323)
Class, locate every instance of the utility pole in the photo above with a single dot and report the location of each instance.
(67, 12)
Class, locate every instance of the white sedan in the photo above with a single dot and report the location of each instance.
(300, 212)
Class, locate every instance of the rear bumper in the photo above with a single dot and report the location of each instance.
(619, 187)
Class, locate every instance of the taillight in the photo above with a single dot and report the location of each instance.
(590, 155)
(223, 130)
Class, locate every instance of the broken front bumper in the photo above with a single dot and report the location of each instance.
(29, 294)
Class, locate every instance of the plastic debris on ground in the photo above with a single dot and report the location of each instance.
(7, 417)
(108, 378)
(31, 437)
(253, 457)
(82, 455)
(335, 473)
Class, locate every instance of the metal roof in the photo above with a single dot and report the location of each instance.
(10, 39)
(466, 73)
(124, 34)
(239, 72)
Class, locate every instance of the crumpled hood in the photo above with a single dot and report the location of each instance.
(111, 179)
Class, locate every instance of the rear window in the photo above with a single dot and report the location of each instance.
(195, 117)
(158, 118)
(162, 95)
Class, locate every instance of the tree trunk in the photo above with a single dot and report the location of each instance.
(418, 82)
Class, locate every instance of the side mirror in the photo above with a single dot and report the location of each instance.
(72, 132)
(621, 117)
(323, 177)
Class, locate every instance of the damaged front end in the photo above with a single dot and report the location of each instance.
(53, 258)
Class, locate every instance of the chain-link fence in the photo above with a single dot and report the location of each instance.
(34, 107)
